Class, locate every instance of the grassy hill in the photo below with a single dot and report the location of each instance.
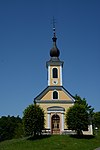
(54, 142)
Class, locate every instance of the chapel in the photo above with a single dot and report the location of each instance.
(55, 99)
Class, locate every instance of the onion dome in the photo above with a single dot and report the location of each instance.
(54, 52)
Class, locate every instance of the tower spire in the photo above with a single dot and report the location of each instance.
(54, 52)
(54, 28)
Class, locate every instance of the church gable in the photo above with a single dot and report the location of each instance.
(55, 93)
(62, 95)
(47, 96)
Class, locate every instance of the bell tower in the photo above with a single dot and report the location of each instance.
(54, 65)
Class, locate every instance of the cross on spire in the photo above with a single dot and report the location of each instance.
(54, 52)
(54, 29)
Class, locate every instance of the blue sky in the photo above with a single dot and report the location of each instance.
(25, 42)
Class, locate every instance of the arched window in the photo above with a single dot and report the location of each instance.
(55, 73)
(55, 95)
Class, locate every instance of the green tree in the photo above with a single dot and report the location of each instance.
(80, 101)
(79, 116)
(89, 109)
(96, 119)
(33, 120)
(8, 126)
(19, 131)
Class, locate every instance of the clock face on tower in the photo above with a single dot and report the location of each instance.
(55, 81)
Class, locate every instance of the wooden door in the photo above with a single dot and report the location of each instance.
(55, 124)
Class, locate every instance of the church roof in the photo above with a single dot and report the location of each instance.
(47, 89)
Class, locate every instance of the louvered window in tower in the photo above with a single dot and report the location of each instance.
(55, 73)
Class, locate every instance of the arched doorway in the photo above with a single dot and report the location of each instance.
(55, 124)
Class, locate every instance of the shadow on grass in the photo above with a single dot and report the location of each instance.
(38, 137)
(83, 136)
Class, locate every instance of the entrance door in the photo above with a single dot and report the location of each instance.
(55, 124)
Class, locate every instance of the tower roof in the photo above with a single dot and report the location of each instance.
(54, 52)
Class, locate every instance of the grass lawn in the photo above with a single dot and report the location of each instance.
(54, 142)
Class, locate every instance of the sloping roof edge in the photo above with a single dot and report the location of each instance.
(39, 97)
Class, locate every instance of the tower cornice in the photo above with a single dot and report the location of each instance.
(54, 62)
